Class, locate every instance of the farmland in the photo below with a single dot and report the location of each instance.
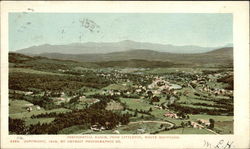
(49, 96)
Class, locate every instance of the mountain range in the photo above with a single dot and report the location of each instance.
(128, 53)
(109, 47)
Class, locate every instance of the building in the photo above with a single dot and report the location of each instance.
(195, 125)
(204, 122)
(171, 115)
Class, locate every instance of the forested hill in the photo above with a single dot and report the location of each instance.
(134, 58)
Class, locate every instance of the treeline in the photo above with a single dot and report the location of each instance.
(190, 110)
(47, 115)
(223, 106)
(229, 79)
(19, 58)
(135, 63)
(23, 81)
(207, 72)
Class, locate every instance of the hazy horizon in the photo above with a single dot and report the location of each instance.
(179, 29)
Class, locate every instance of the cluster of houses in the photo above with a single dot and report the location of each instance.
(201, 123)
(29, 107)
(98, 127)
(215, 91)
(204, 122)
(160, 85)
(196, 125)
(203, 80)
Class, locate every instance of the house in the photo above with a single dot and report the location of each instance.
(204, 122)
(28, 93)
(138, 90)
(171, 115)
(195, 125)
(94, 128)
(38, 107)
(116, 132)
(29, 109)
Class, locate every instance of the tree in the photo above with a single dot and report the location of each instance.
(182, 125)
(136, 113)
(150, 94)
(211, 126)
(150, 109)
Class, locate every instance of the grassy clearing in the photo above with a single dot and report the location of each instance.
(186, 131)
(191, 100)
(136, 104)
(18, 106)
(226, 127)
(114, 106)
(116, 87)
(26, 70)
(158, 113)
(25, 115)
(215, 117)
(198, 106)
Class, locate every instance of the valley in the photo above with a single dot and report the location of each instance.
(122, 94)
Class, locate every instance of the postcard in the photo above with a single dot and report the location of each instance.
(120, 74)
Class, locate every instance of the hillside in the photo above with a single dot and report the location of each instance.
(43, 63)
(223, 56)
(134, 58)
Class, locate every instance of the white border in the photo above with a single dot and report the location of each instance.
(240, 12)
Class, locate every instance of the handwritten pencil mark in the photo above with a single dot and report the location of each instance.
(222, 144)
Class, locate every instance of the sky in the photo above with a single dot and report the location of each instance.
(207, 30)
